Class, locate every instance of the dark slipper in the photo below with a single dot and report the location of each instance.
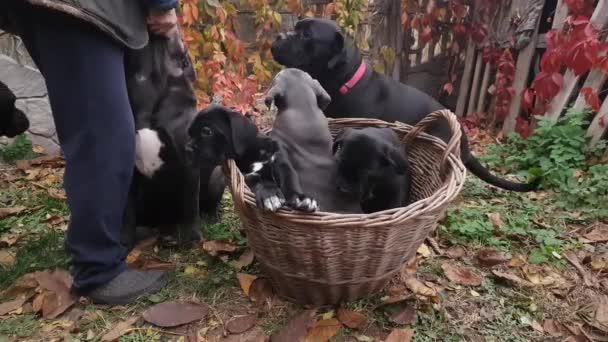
(128, 286)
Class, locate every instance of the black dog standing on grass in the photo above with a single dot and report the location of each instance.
(372, 165)
(167, 191)
(12, 120)
(318, 47)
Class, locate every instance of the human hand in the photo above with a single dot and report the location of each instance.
(162, 23)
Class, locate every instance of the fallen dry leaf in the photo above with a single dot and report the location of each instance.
(6, 212)
(512, 278)
(253, 335)
(240, 324)
(119, 329)
(323, 330)
(536, 326)
(410, 268)
(216, 247)
(496, 220)
(8, 240)
(44, 161)
(244, 260)
(57, 193)
(598, 234)
(7, 258)
(488, 257)
(12, 305)
(261, 290)
(517, 261)
(351, 319)
(172, 314)
(400, 335)
(424, 250)
(461, 275)
(152, 263)
(553, 328)
(455, 252)
(419, 288)
(601, 315)
(245, 280)
(58, 284)
(598, 262)
(297, 328)
(544, 276)
(406, 315)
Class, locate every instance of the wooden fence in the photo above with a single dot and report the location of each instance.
(477, 76)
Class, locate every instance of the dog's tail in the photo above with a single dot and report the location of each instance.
(472, 164)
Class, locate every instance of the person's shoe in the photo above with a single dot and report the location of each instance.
(128, 286)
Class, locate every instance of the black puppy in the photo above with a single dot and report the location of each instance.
(318, 47)
(304, 166)
(12, 120)
(373, 166)
(219, 133)
(167, 191)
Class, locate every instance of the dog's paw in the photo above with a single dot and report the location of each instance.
(303, 203)
(270, 199)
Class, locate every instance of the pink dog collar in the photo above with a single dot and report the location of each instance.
(353, 81)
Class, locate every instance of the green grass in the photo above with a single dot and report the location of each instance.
(20, 148)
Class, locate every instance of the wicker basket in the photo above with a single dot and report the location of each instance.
(324, 258)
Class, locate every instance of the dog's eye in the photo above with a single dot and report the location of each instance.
(206, 132)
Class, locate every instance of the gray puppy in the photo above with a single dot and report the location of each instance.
(304, 168)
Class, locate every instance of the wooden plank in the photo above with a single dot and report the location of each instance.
(559, 18)
(595, 80)
(465, 81)
(596, 129)
(522, 70)
(475, 86)
(483, 90)
(599, 19)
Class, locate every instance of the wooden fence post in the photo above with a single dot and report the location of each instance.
(485, 83)
(475, 86)
(599, 124)
(559, 102)
(465, 81)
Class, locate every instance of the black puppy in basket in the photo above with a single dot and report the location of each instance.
(372, 165)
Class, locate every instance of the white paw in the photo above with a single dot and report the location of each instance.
(147, 152)
(306, 204)
(273, 203)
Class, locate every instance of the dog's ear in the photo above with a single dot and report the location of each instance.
(339, 53)
(323, 98)
(275, 95)
(392, 156)
(243, 132)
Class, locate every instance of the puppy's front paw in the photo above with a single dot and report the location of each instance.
(269, 199)
(303, 203)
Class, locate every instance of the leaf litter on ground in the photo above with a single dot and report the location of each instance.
(323, 330)
(240, 324)
(244, 260)
(351, 319)
(119, 329)
(461, 275)
(173, 313)
(297, 328)
(400, 335)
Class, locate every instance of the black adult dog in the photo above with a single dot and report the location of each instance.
(12, 120)
(167, 191)
(219, 133)
(304, 166)
(373, 166)
(318, 47)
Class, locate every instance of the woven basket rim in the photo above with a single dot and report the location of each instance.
(441, 196)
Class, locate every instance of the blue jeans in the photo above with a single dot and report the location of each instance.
(85, 78)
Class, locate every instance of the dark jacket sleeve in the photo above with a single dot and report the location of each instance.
(160, 4)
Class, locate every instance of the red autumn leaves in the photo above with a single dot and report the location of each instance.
(504, 79)
(576, 48)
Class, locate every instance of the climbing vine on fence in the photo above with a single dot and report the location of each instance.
(229, 70)
(575, 47)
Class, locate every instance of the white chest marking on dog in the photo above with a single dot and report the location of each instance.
(147, 152)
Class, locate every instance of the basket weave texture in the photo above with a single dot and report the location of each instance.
(325, 258)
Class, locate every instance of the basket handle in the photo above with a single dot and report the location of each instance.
(453, 144)
(237, 183)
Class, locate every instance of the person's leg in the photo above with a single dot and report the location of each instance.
(84, 73)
